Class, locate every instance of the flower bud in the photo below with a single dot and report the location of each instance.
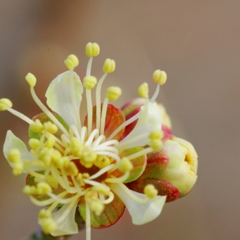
(171, 170)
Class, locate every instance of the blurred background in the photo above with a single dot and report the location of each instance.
(195, 42)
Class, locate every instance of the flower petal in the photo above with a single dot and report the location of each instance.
(149, 120)
(13, 142)
(67, 225)
(141, 213)
(59, 96)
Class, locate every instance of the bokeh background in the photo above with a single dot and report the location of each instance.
(196, 42)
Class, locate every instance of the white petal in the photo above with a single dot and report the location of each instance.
(149, 119)
(13, 142)
(141, 213)
(67, 225)
(59, 96)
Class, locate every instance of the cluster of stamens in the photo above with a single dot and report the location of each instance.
(79, 161)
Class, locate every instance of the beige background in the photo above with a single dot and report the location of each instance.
(196, 42)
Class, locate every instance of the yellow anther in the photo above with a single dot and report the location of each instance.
(52, 181)
(109, 66)
(96, 207)
(71, 169)
(74, 59)
(102, 161)
(80, 177)
(27, 190)
(89, 82)
(89, 157)
(56, 155)
(150, 191)
(50, 142)
(31, 79)
(159, 77)
(155, 144)
(43, 213)
(43, 188)
(45, 155)
(143, 90)
(33, 143)
(75, 146)
(92, 49)
(17, 168)
(50, 127)
(5, 104)
(14, 156)
(125, 165)
(48, 225)
(156, 134)
(90, 196)
(101, 189)
(36, 126)
(113, 93)
(71, 62)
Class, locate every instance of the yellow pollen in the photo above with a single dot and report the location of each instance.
(96, 207)
(159, 77)
(17, 168)
(31, 79)
(52, 181)
(125, 165)
(155, 144)
(92, 49)
(101, 189)
(36, 126)
(48, 225)
(71, 62)
(14, 156)
(143, 90)
(43, 188)
(150, 191)
(109, 66)
(89, 156)
(71, 169)
(80, 177)
(75, 146)
(113, 93)
(33, 143)
(50, 127)
(50, 142)
(89, 82)
(43, 213)
(102, 161)
(156, 134)
(5, 104)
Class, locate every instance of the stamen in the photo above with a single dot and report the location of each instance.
(104, 113)
(123, 125)
(47, 112)
(98, 99)
(100, 139)
(88, 223)
(61, 200)
(102, 171)
(91, 137)
(20, 115)
(140, 153)
(119, 179)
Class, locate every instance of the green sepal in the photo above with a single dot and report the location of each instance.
(110, 215)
